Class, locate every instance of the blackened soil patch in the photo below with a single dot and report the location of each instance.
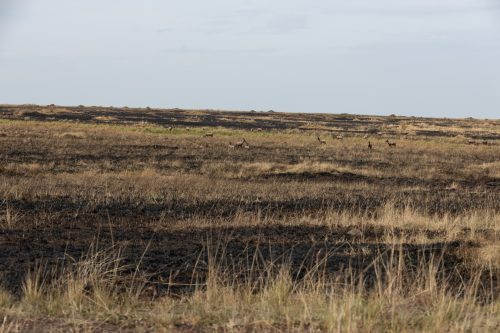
(176, 260)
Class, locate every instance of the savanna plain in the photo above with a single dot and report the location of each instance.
(167, 220)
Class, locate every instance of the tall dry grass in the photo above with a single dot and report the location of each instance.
(401, 297)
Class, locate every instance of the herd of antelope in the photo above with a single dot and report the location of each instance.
(244, 144)
(370, 145)
(392, 144)
(472, 142)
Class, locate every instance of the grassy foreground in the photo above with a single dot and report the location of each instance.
(401, 290)
(91, 295)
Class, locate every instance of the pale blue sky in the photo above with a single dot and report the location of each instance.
(412, 57)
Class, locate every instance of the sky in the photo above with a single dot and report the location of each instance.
(414, 57)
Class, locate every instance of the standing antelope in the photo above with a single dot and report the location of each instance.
(322, 142)
(391, 144)
(370, 145)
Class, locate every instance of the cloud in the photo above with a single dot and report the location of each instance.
(164, 30)
(254, 21)
(209, 50)
(279, 25)
(7, 14)
(6, 11)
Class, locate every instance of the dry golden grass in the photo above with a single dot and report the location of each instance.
(404, 299)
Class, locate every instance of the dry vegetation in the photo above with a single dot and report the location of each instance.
(137, 220)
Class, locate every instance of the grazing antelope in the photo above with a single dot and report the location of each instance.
(370, 145)
(209, 135)
(391, 144)
(322, 142)
(242, 144)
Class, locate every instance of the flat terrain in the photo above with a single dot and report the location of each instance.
(171, 195)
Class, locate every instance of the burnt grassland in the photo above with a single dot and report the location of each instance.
(136, 219)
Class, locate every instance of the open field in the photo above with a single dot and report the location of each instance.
(136, 219)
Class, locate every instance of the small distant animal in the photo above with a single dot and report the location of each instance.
(321, 141)
(472, 142)
(370, 145)
(170, 128)
(365, 136)
(259, 129)
(340, 137)
(485, 142)
(209, 135)
(391, 144)
(379, 133)
(240, 144)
